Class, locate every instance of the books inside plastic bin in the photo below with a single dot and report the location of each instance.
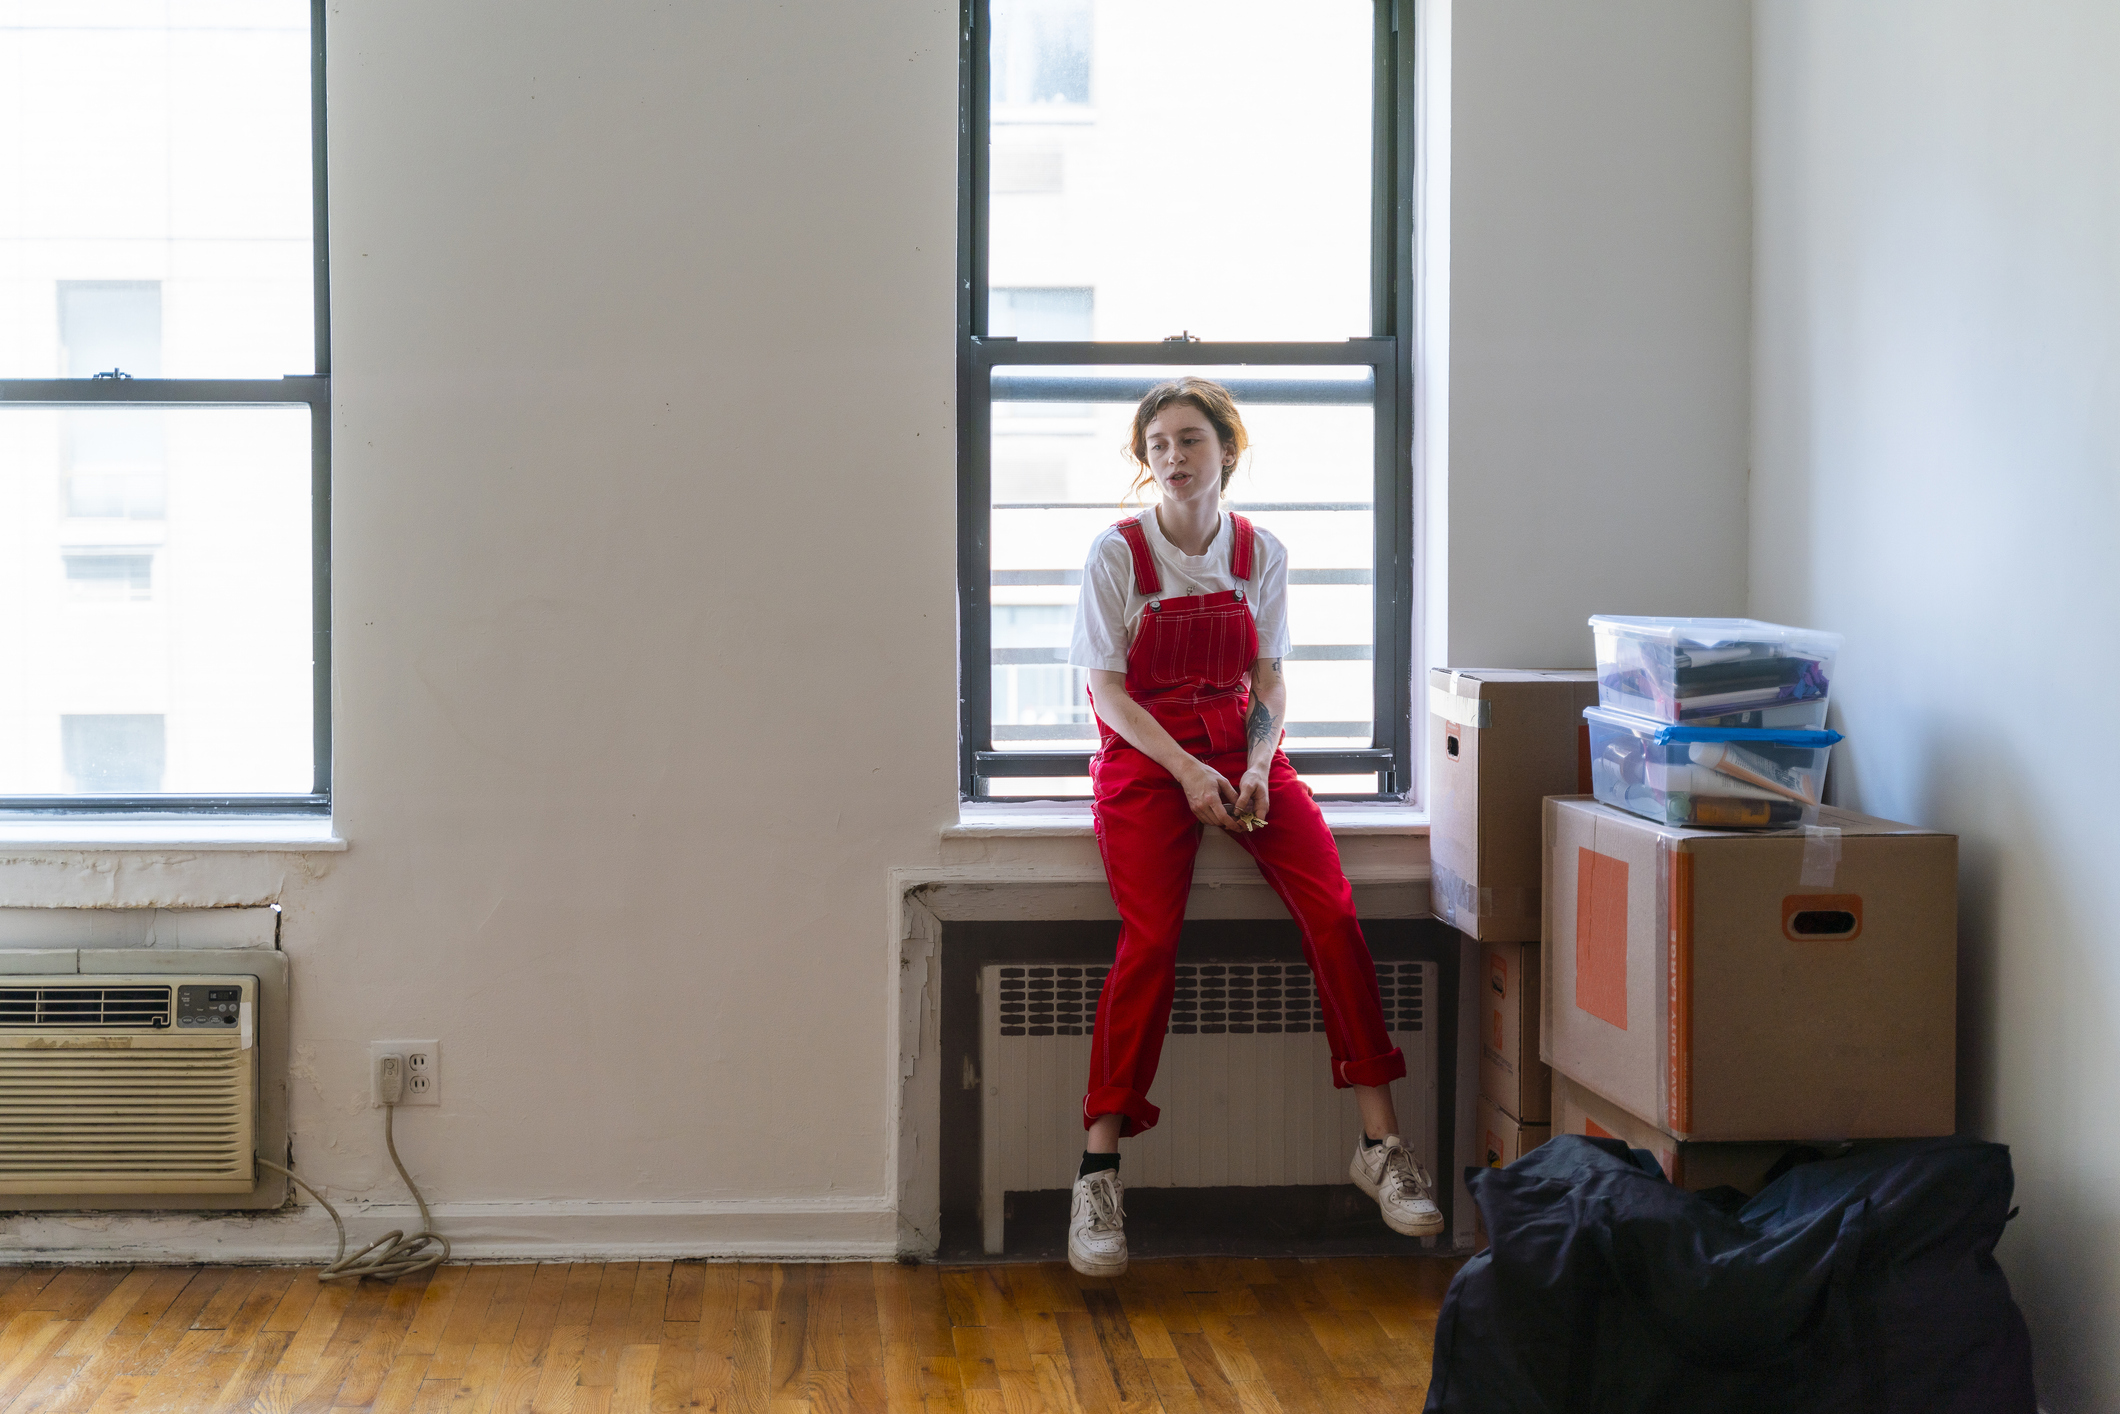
(1721, 777)
(1724, 672)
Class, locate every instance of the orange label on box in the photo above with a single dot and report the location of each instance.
(1601, 936)
(1494, 1151)
(1498, 973)
(1595, 1130)
(1494, 1029)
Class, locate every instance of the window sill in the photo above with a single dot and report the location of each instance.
(309, 834)
(1039, 819)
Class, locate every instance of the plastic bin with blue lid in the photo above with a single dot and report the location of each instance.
(1733, 778)
(1723, 672)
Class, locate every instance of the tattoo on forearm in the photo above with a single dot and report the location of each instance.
(1261, 722)
(1277, 667)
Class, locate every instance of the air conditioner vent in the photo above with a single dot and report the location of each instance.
(83, 1006)
(117, 1116)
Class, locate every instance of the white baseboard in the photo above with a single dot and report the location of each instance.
(856, 1229)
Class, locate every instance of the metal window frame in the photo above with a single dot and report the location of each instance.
(312, 390)
(1388, 351)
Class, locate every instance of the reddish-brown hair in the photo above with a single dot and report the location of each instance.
(1215, 404)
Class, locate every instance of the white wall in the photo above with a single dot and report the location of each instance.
(644, 584)
(1937, 475)
(1599, 312)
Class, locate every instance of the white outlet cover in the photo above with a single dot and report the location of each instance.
(431, 1050)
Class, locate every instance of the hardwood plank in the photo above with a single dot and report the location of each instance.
(651, 1291)
(614, 1305)
(687, 1281)
(511, 1294)
(751, 1362)
(94, 1328)
(175, 1320)
(378, 1353)
(316, 1329)
(479, 1387)
(432, 1317)
(860, 1335)
(556, 1378)
(246, 1384)
(789, 1332)
(22, 1349)
(216, 1314)
(293, 1309)
(401, 1386)
(259, 1303)
(635, 1382)
(714, 1361)
(453, 1350)
(26, 1288)
(578, 1306)
(671, 1378)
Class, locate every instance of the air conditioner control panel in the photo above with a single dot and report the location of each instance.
(217, 1005)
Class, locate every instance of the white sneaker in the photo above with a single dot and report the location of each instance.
(1404, 1192)
(1096, 1235)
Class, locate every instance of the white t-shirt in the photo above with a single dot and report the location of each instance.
(1109, 612)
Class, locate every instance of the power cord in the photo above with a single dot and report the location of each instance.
(392, 1255)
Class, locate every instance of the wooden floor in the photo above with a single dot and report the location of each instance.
(1295, 1336)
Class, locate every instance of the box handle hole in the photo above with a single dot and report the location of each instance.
(1822, 923)
(1450, 744)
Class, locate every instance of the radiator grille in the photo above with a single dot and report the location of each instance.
(103, 1117)
(1212, 999)
(84, 1006)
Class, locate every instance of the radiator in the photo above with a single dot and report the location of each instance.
(1245, 1084)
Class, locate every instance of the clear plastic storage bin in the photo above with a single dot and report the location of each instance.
(1727, 777)
(1721, 672)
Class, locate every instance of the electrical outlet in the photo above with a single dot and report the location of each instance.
(423, 1071)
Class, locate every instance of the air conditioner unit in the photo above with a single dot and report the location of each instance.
(1245, 1083)
(128, 1083)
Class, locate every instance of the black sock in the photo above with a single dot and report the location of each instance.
(1096, 1163)
(1369, 1143)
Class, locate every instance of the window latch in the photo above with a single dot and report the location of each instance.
(114, 373)
(1184, 336)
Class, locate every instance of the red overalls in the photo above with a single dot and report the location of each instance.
(1190, 666)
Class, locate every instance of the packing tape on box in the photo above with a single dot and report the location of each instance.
(1821, 856)
(1465, 711)
(1462, 906)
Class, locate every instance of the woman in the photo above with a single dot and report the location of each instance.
(1180, 606)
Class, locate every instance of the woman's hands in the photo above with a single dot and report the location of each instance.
(1210, 795)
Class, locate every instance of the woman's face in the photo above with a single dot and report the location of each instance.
(1184, 454)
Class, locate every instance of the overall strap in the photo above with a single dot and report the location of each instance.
(1146, 580)
(1240, 551)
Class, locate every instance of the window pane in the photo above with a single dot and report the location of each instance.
(1059, 475)
(1195, 165)
(155, 643)
(159, 222)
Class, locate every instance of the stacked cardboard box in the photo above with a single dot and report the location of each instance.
(1717, 996)
(1500, 740)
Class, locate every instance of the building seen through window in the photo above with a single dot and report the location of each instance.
(1234, 206)
(156, 584)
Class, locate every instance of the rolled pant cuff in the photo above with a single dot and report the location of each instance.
(1377, 1070)
(1112, 1100)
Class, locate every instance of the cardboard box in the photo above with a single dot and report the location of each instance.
(1500, 740)
(1503, 1140)
(1689, 1164)
(1511, 1072)
(1730, 985)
